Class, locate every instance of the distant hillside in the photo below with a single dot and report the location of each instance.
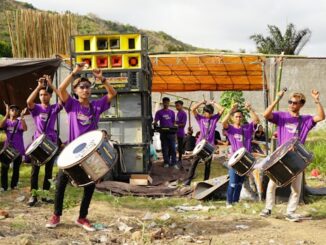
(158, 41)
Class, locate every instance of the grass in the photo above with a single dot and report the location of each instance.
(316, 205)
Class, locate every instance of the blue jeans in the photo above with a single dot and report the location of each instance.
(234, 188)
(168, 148)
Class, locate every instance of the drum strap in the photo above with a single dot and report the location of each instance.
(91, 108)
(208, 129)
(13, 132)
(47, 120)
(243, 136)
(298, 130)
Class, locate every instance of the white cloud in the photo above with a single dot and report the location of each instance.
(221, 24)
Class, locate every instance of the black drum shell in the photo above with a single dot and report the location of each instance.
(206, 151)
(8, 154)
(94, 166)
(43, 153)
(244, 164)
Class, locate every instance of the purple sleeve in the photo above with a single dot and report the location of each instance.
(252, 127)
(310, 122)
(35, 111)
(5, 124)
(173, 117)
(157, 116)
(229, 129)
(184, 118)
(276, 117)
(20, 126)
(57, 108)
(199, 117)
(68, 105)
(102, 103)
(216, 116)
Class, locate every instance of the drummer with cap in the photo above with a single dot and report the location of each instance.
(83, 116)
(239, 135)
(44, 116)
(291, 124)
(207, 124)
(14, 128)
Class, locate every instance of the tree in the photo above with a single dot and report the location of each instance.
(5, 49)
(230, 97)
(290, 43)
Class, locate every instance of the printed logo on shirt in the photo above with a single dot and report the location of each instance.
(166, 117)
(10, 129)
(43, 116)
(84, 119)
(291, 127)
(238, 137)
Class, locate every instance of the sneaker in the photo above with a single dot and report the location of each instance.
(266, 213)
(293, 217)
(32, 201)
(54, 221)
(166, 165)
(47, 200)
(229, 205)
(83, 222)
(175, 166)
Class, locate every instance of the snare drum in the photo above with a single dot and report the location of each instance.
(203, 149)
(287, 161)
(8, 154)
(88, 158)
(242, 161)
(41, 150)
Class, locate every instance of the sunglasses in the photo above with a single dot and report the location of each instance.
(84, 87)
(290, 102)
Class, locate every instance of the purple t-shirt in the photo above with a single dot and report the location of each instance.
(181, 119)
(287, 126)
(17, 139)
(235, 136)
(40, 115)
(207, 127)
(83, 119)
(165, 117)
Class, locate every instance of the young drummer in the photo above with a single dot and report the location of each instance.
(239, 135)
(207, 124)
(181, 120)
(44, 116)
(83, 116)
(291, 124)
(14, 128)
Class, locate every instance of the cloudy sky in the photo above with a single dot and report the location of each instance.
(220, 24)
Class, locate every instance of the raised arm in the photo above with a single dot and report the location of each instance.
(4, 119)
(253, 115)
(220, 108)
(268, 113)
(320, 115)
(226, 119)
(22, 119)
(50, 84)
(111, 91)
(196, 106)
(62, 90)
(32, 97)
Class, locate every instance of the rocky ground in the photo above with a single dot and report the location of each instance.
(199, 223)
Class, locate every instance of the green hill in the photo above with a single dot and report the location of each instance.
(157, 41)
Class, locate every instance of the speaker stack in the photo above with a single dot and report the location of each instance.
(125, 63)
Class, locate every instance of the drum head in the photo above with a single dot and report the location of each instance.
(35, 144)
(237, 156)
(199, 147)
(80, 148)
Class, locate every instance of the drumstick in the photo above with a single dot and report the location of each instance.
(285, 89)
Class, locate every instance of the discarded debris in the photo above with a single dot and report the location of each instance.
(199, 207)
(165, 217)
(243, 227)
(148, 216)
(124, 227)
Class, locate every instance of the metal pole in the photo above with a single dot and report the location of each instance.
(265, 93)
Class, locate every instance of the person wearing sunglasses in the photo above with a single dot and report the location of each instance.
(83, 116)
(239, 135)
(291, 124)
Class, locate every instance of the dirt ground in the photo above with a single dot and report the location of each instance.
(118, 225)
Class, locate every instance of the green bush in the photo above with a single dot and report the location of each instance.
(5, 49)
